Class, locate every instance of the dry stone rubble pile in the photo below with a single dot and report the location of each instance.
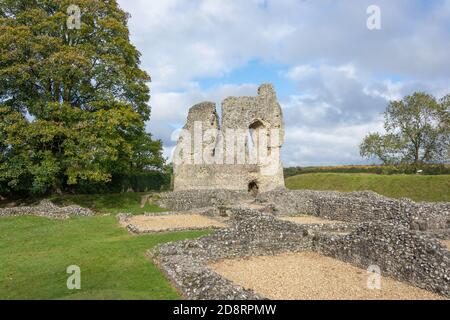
(48, 209)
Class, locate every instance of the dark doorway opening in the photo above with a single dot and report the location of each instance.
(253, 188)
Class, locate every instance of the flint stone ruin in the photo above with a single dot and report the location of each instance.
(401, 237)
(258, 119)
(405, 239)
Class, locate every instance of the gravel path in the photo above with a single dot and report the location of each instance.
(446, 243)
(309, 220)
(161, 223)
(311, 276)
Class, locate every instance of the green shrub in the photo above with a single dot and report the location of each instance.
(137, 182)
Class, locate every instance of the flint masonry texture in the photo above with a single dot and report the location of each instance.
(261, 113)
(361, 207)
(399, 236)
(46, 209)
(403, 254)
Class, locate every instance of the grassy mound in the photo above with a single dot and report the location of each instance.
(415, 187)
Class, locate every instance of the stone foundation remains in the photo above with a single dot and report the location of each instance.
(195, 199)
(398, 236)
(170, 222)
(361, 207)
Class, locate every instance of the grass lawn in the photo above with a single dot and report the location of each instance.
(36, 252)
(415, 187)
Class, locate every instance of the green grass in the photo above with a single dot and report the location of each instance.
(109, 203)
(415, 187)
(36, 252)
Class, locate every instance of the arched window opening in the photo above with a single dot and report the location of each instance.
(255, 135)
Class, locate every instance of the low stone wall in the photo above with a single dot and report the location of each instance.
(46, 209)
(192, 199)
(360, 207)
(251, 233)
(402, 254)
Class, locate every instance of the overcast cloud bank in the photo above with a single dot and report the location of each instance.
(334, 77)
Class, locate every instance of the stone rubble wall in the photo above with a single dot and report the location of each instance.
(209, 177)
(351, 207)
(186, 262)
(401, 253)
(360, 207)
(194, 199)
(46, 209)
(405, 255)
(239, 114)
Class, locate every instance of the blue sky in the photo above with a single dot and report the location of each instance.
(252, 72)
(332, 74)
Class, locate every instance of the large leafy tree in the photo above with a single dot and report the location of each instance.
(73, 101)
(417, 131)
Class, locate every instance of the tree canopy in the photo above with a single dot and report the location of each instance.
(73, 101)
(417, 131)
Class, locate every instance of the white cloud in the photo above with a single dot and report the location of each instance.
(386, 89)
(325, 146)
(183, 40)
(301, 72)
(343, 73)
(338, 106)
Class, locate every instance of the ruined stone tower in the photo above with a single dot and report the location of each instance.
(242, 153)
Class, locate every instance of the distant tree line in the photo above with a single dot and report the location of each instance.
(426, 169)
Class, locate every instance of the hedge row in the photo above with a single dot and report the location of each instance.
(428, 169)
(137, 182)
